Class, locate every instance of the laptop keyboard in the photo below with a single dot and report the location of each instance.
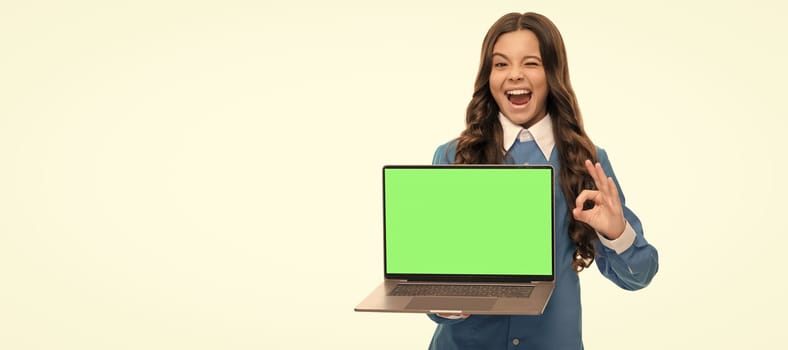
(464, 290)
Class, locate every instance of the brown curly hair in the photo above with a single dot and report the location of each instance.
(482, 140)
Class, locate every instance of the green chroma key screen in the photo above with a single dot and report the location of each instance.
(468, 220)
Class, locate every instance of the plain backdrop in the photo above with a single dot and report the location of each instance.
(206, 174)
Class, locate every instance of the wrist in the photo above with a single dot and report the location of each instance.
(618, 231)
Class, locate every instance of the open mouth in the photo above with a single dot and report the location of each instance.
(519, 97)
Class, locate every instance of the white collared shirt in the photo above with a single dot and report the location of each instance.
(542, 133)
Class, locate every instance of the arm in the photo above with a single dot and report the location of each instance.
(445, 153)
(623, 254)
(631, 268)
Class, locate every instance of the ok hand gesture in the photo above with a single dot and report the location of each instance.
(607, 215)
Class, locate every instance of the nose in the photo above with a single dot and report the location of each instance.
(516, 74)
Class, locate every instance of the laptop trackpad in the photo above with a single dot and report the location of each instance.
(449, 303)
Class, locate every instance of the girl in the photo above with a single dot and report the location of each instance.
(524, 110)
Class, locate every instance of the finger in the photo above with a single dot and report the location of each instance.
(613, 189)
(587, 195)
(601, 178)
(585, 216)
(453, 316)
(592, 172)
(597, 174)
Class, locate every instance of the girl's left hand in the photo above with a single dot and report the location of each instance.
(607, 215)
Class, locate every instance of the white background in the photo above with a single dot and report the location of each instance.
(191, 174)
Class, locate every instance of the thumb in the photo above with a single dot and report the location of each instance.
(582, 215)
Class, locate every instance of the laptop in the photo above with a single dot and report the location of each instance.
(472, 239)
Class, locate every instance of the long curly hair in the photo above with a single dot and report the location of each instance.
(482, 140)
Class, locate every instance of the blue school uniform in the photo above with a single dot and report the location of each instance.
(629, 261)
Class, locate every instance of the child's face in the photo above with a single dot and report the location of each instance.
(517, 80)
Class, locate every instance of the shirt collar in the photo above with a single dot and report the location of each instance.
(542, 132)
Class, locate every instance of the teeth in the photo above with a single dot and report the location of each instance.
(517, 92)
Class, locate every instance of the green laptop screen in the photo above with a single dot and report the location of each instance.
(468, 220)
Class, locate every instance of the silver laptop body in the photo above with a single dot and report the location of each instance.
(472, 239)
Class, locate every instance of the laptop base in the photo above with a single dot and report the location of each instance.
(380, 301)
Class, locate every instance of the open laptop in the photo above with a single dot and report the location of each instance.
(473, 239)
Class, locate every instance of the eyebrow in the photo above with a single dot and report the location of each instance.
(507, 58)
